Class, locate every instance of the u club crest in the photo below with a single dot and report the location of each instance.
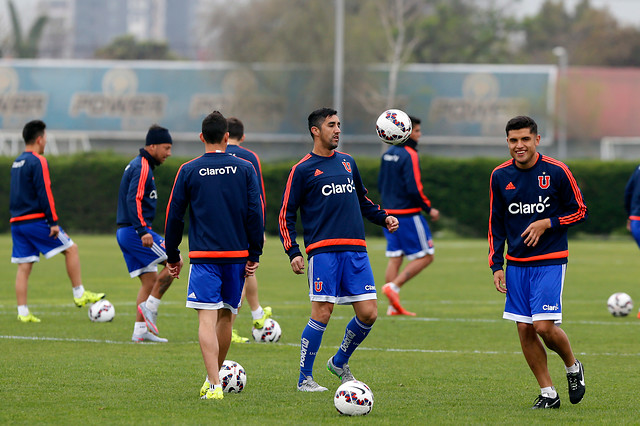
(346, 165)
(544, 181)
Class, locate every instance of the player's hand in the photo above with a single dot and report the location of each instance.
(534, 231)
(392, 223)
(175, 268)
(297, 265)
(434, 214)
(147, 240)
(250, 268)
(499, 282)
(54, 231)
(629, 225)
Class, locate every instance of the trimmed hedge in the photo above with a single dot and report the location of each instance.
(86, 186)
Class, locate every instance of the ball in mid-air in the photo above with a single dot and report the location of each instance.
(393, 126)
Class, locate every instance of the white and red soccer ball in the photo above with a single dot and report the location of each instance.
(233, 378)
(101, 311)
(619, 304)
(270, 333)
(393, 126)
(353, 398)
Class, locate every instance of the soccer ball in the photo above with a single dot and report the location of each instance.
(102, 311)
(271, 332)
(353, 398)
(393, 126)
(620, 304)
(232, 377)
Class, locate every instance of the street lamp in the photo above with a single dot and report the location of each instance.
(563, 64)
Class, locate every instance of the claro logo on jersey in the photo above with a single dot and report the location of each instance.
(338, 188)
(529, 208)
(226, 170)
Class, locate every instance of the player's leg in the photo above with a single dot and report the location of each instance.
(310, 344)
(223, 331)
(24, 253)
(235, 336)
(22, 284)
(148, 308)
(209, 346)
(141, 331)
(536, 357)
(258, 314)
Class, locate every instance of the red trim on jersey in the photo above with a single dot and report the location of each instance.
(282, 217)
(144, 173)
(27, 217)
(582, 207)
(47, 185)
(404, 211)
(171, 195)
(336, 242)
(634, 217)
(197, 254)
(556, 255)
(415, 163)
(492, 249)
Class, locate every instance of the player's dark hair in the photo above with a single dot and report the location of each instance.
(214, 126)
(32, 130)
(522, 122)
(235, 128)
(414, 120)
(317, 117)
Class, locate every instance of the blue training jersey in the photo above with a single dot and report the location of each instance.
(225, 211)
(332, 200)
(519, 197)
(138, 196)
(399, 181)
(632, 195)
(30, 196)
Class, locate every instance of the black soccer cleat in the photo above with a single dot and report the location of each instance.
(543, 402)
(576, 384)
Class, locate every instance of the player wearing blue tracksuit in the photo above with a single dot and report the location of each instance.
(225, 239)
(252, 157)
(632, 204)
(534, 199)
(141, 246)
(327, 189)
(34, 221)
(400, 185)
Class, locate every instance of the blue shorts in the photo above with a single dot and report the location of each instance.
(635, 230)
(140, 259)
(341, 277)
(31, 239)
(215, 286)
(534, 293)
(412, 239)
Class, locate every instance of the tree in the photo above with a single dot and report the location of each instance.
(126, 47)
(25, 47)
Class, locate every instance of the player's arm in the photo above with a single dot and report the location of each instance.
(287, 220)
(413, 182)
(255, 222)
(629, 189)
(574, 209)
(135, 195)
(42, 184)
(174, 224)
(497, 230)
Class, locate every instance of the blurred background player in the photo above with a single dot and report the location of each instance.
(226, 235)
(534, 199)
(250, 290)
(142, 248)
(326, 186)
(34, 222)
(632, 206)
(400, 186)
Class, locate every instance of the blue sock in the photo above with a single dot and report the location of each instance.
(309, 345)
(354, 335)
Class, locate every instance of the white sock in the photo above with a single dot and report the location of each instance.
(139, 328)
(23, 310)
(394, 287)
(212, 386)
(153, 303)
(549, 392)
(258, 313)
(574, 368)
(78, 291)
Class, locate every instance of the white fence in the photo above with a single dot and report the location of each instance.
(58, 143)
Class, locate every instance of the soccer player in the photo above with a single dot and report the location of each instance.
(403, 196)
(142, 248)
(632, 206)
(259, 315)
(326, 186)
(226, 235)
(534, 199)
(34, 222)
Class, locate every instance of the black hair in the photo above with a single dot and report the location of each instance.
(235, 128)
(214, 126)
(317, 117)
(522, 122)
(32, 130)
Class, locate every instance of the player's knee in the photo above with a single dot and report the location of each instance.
(73, 250)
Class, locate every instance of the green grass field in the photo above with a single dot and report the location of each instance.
(457, 362)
